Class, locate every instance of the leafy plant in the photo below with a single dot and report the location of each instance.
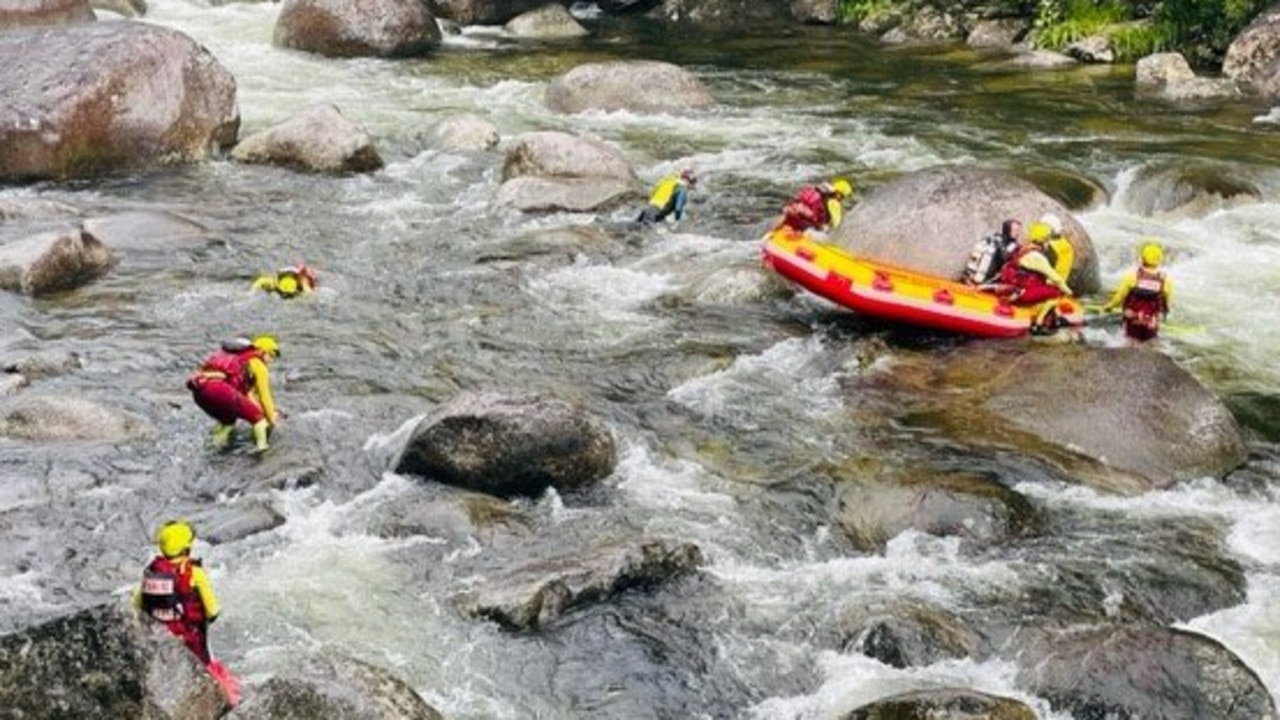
(855, 11)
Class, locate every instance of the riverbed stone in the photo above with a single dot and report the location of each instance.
(29, 13)
(1123, 420)
(53, 262)
(123, 8)
(1137, 670)
(1179, 189)
(816, 12)
(548, 22)
(464, 133)
(319, 139)
(904, 633)
(1253, 58)
(551, 153)
(725, 13)
(643, 86)
(51, 418)
(330, 685)
(970, 506)
(147, 231)
(97, 97)
(550, 194)
(530, 596)
(996, 33)
(42, 363)
(482, 12)
(510, 445)
(357, 28)
(102, 663)
(955, 703)
(928, 220)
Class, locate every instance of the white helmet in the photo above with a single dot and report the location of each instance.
(1053, 221)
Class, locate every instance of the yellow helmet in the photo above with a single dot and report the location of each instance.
(1039, 232)
(175, 538)
(267, 344)
(287, 283)
(1151, 254)
(842, 186)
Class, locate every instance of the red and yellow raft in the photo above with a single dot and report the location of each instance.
(900, 295)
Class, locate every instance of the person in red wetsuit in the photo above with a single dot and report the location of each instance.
(176, 591)
(817, 207)
(1143, 295)
(1029, 277)
(234, 384)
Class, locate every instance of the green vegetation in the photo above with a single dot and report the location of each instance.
(1199, 29)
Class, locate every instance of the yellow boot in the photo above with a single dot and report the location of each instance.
(221, 435)
(260, 435)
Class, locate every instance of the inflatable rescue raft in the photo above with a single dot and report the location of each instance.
(891, 293)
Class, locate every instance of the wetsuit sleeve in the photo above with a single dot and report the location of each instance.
(262, 388)
(204, 589)
(1065, 258)
(1168, 294)
(264, 282)
(835, 211)
(1038, 263)
(1127, 283)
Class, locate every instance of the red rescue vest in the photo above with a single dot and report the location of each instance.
(1147, 295)
(167, 593)
(232, 366)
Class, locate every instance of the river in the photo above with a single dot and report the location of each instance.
(724, 394)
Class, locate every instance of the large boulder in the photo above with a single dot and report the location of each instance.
(28, 13)
(645, 86)
(929, 220)
(727, 13)
(902, 633)
(1124, 420)
(147, 231)
(1169, 76)
(542, 194)
(123, 8)
(320, 139)
(529, 597)
(547, 22)
(96, 97)
(53, 261)
(510, 446)
(1138, 671)
(334, 686)
(1253, 58)
(103, 664)
(357, 28)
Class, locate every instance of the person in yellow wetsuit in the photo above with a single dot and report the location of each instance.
(176, 591)
(1058, 249)
(669, 197)
(235, 384)
(1143, 295)
(288, 282)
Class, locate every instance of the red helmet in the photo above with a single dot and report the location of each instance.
(688, 176)
(308, 275)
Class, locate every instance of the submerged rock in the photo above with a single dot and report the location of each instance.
(50, 418)
(29, 13)
(1182, 189)
(96, 97)
(319, 139)
(532, 595)
(646, 86)
(954, 703)
(53, 261)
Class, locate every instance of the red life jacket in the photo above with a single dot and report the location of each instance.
(1147, 297)
(233, 366)
(167, 593)
(1012, 272)
(808, 209)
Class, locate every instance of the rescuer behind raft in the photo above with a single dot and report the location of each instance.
(288, 282)
(1143, 295)
(235, 384)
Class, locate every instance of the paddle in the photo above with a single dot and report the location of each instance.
(1095, 317)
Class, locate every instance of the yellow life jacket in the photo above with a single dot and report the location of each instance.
(664, 190)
